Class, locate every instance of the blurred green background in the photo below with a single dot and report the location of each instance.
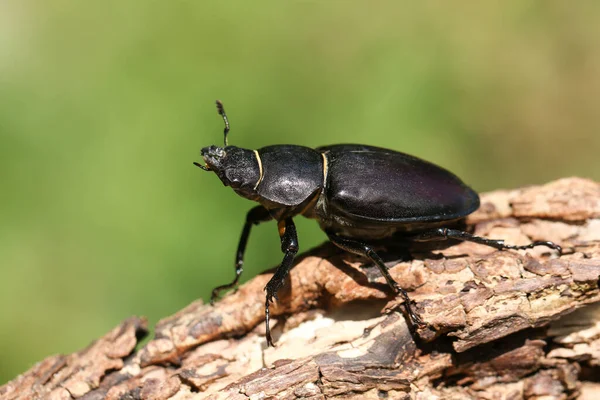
(104, 106)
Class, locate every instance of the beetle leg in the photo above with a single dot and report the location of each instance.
(444, 233)
(255, 216)
(289, 246)
(365, 250)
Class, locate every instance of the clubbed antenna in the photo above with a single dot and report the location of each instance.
(221, 111)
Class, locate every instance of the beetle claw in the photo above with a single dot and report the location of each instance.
(269, 340)
(416, 320)
(550, 245)
(271, 298)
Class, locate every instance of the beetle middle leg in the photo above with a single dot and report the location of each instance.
(255, 216)
(445, 233)
(289, 246)
(365, 250)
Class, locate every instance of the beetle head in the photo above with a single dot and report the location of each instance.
(236, 167)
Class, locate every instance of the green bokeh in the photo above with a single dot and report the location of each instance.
(104, 106)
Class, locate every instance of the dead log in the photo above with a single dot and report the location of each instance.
(501, 324)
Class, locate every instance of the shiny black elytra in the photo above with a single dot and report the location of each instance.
(357, 193)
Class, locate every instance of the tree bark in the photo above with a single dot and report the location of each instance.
(500, 324)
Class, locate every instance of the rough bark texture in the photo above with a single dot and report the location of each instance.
(501, 324)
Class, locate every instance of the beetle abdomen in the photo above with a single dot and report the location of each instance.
(291, 174)
(371, 183)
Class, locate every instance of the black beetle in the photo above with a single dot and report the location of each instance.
(356, 192)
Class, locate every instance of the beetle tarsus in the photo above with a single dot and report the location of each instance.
(267, 323)
(216, 292)
(550, 245)
(268, 301)
(415, 319)
(445, 233)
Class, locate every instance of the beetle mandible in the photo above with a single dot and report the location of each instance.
(357, 193)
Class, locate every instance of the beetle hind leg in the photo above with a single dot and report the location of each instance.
(445, 233)
(365, 250)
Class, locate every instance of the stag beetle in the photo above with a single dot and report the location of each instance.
(357, 193)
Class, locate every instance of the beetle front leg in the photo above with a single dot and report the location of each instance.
(365, 250)
(289, 246)
(445, 233)
(255, 216)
